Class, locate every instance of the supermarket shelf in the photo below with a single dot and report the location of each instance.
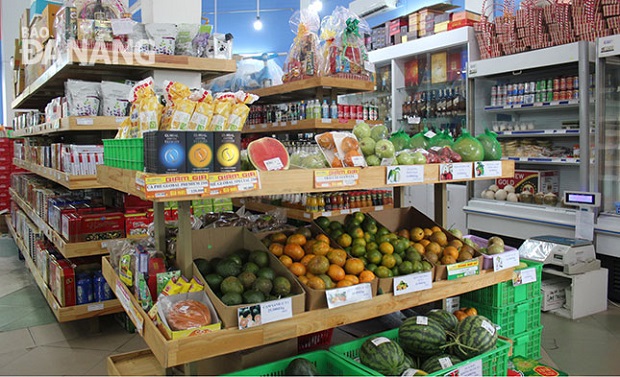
(281, 182)
(536, 106)
(67, 249)
(539, 133)
(99, 123)
(306, 125)
(316, 87)
(194, 348)
(298, 214)
(138, 363)
(69, 313)
(72, 182)
(97, 65)
(544, 160)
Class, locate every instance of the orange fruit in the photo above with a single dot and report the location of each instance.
(439, 237)
(307, 259)
(416, 234)
(316, 282)
(318, 265)
(460, 315)
(298, 239)
(424, 242)
(354, 266)
(322, 237)
(418, 246)
(403, 233)
(352, 278)
(309, 275)
(436, 229)
(471, 311)
(308, 246)
(298, 269)
(286, 260)
(320, 248)
(349, 144)
(427, 232)
(366, 276)
(278, 237)
(303, 279)
(336, 163)
(433, 247)
(451, 251)
(326, 140)
(336, 273)
(344, 283)
(447, 259)
(386, 248)
(349, 157)
(294, 251)
(276, 249)
(463, 256)
(337, 257)
(456, 243)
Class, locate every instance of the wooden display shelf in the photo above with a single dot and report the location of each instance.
(171, 353)
(138, 363)
(283, 182)
(306, 125)
(98, 123)
(72, 182)
(68, 313)
(315, 88)
(67, 249)
(298, 214)
(109, 65)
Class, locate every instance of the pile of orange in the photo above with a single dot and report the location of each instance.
(434, 245)
(463, 313)
(317, 264)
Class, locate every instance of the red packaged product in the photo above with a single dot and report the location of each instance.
(62, 281)
(101, 226)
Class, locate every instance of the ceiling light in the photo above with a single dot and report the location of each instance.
(258, 24)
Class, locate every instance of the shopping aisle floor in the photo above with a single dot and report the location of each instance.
(33, 343)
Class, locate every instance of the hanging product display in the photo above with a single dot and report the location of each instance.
(304, 56)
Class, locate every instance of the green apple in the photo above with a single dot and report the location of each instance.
(379, 132)
(419, 158)
(367, 145)
(373, 160)
(405, 158)
(384, 149)
(361, 131)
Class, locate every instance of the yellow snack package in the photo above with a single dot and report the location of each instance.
(184, 284)
(150, 113)
(203, 114)
(240, 110)
(179, 106)
(223, 107)
(195, 285)
(124, 129)
(145, 108)
(171, 288)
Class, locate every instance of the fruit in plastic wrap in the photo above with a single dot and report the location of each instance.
(492, 147)
(188, 314)
(468, 147)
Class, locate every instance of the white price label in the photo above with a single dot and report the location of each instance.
(95, 307)
(348, 295)
(358, 161)
(345, 211)
(326, 120)
(421, 320)
(488, 326)
(85, 121)
(130, 309)
(525, 276)
(507, 259)
(122, 26)
(472, 369)
(454, 171)
(430, 134)
(488, 169)
(294, 123)
(370, 67)
(387, 161)
(380, 340)
(413, 283)
(405, 174)
(445, 362)
(274, 164)
(266, 312)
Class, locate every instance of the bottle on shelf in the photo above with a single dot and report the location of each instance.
(333, 110)
(325, 110)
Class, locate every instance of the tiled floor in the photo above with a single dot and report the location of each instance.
(33, 343)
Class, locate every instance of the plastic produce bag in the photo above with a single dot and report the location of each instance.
(492, 147)
(400, 140)
(303, 59)
(468, 147)
(419, 140)
(441, 139)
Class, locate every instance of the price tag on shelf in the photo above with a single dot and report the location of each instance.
(326, 120)
(227, 183)
(345, 211)
(130, 309)
(455, 171)
(471, 369)
(413, 283)
(85, 121)
(487, 169)
(402, 174)
(173, 185)
(120, 119)
(264, 125)
(95, 307)
(266, 312)
(524, 276)
(348, 295)
(328, 178)
(507, 259)
(467, 268)
(294, 122)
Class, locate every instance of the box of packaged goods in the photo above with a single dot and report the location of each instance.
(533, 181)
(42, 29)
(62, 281)
(395, 25)
(86, 227)
(37, 7)
(441, 245)
(554, 293)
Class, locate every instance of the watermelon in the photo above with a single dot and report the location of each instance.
(439, 362)
(268, 153)
(474, 335)
(422, 336)
(446, 319)
(384, 356)
(301, 367)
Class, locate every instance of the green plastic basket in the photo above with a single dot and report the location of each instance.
(494, 362)
(527, 344)
(327, 364)
(124, 153)
(512, 319)
(505, 293)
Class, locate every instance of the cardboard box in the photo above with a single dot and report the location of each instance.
(533, 181)
(465, 15)
(554, 293)
(227, 149)
(395, 25)
(399, 218)
(441, 27)
(220, 242)
(215, 325)
(165, 152)
(42, 28)
(199, 151)
(38, 6)
(62, 282)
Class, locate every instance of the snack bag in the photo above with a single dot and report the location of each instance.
(145, 108)
(224, 103)
(303, 60)
(203, 114)
(240, 110)
(124, 130)
(179, 106)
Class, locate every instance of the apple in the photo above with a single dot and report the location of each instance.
(384, 149)
(373, 160)
(361, 131)
(405, 158)
(456, 232)
(367, 145)
(379, 132)
(418, 158)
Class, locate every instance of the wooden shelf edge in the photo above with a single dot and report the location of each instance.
(137, 363)
(67, 249)
(71, 124)
(316, 82)
(305, 125)
(72, 182)
(69, 313)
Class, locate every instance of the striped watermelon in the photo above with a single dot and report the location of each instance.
(422, 336)
(413, 362)
(447, 320)
(384, 356)
(474, 335)
(439, 362)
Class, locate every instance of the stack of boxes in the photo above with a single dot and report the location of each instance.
(515, 307)
(6, 169)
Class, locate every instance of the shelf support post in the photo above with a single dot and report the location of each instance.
(184, 239)
(584, 118)
(441, 197)
(159, 222)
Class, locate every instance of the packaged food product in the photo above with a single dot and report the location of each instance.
(224, 103)
(341, 149)
(188, 314)
(240, 110)
(303, 60)
(200, 43)
(186, 33)
(163, 36)
(82, 97)
(179, 107)
(145, 110)
(203, 113)
(114, 98)
(163, 278)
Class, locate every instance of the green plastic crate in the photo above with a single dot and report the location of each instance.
(527, 344)
(494, 362)
(327, 364)
(124, 153)
(512, 319)
(505, 293)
